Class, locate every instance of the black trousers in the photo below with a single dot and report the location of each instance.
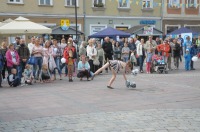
(108, 57)
(82, 74)
(91, 65)
(191, 64)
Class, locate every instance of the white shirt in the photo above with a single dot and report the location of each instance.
(139, 49)
(30, 47)
(137, 42)
(91, 51)
(13, 56)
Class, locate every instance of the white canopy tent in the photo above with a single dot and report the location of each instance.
(5, 22)
(24, 26)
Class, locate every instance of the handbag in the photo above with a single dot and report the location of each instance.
(31, 60)
(96, 61)
(52, 64)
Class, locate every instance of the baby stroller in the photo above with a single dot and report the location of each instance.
(158, 65)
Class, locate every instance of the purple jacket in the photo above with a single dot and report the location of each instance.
(9, 58)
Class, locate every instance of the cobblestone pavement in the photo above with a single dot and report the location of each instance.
(160, 103)
(170, 120)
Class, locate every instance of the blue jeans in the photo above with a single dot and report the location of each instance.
(57, 61)
(21, 68)
(187, 65)
(141, 61)
(125, 58)
(38, 63)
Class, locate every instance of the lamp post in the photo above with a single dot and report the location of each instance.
(76, 16)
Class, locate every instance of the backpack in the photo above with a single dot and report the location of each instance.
(1, 61)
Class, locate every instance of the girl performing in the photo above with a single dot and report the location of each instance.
(115, 66)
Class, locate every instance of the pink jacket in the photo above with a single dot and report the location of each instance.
(9, 58)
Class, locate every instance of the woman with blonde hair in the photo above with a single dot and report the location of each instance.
(37, 52)
(47, 51)
(91, 53)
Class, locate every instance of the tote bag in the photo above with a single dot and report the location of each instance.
(31, 60)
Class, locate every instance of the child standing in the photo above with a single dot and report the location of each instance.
(69, 56)
(70, 65)
(149, 59)
(13, 79)
(133, 58)
(187, 57)
(28, 75)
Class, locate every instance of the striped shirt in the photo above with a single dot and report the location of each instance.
(115, 65)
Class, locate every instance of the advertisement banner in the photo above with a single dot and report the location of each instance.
(148, 30)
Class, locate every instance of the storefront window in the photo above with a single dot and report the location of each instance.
(96, 28)
(171, 28)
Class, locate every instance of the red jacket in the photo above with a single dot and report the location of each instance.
(164, 48)
(66, 53)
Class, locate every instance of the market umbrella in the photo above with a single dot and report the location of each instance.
(23, 25)
(6, 21)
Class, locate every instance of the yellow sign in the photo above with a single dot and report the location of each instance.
(64, 24)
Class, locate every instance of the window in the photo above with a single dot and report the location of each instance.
(147, 4)
(98, 3)
(124, 4)
(171, 28)
(191, 3)
(122, 27)
(96, 28)
(15, 1)
(45, 2)
(174, 3)
(71, 2)
(74, 26)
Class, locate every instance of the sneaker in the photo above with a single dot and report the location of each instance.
(193, 69)
(110, 87)
(92, 77)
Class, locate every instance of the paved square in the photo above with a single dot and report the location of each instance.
(160, 103)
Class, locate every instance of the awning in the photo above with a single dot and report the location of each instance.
(71, 31)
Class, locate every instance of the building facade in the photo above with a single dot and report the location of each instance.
(93, 15)
(181, 13)
(121, 14)
(45, 12)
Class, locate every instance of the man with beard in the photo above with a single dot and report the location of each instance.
(24, 54)
(17, 42)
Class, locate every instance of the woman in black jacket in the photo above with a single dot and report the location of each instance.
(176, 51)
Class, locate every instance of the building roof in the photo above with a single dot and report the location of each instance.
(183, 30)
(110, 32)
(139, 30)
(71, 31)
(195, 29)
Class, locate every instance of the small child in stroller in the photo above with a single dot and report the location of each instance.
(158, 64)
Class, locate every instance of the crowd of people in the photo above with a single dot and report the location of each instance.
(39, 60)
